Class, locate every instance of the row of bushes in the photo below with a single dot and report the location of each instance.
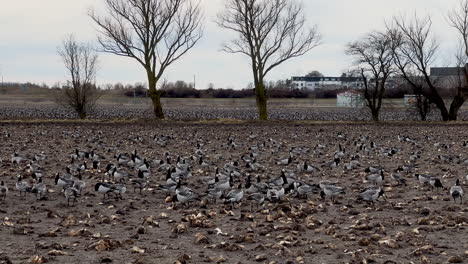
(188, 92)
(220, 93)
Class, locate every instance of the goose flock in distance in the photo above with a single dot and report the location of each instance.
(51, 111)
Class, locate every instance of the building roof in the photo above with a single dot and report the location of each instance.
(446, 71)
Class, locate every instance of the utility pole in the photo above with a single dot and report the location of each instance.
(194, 80)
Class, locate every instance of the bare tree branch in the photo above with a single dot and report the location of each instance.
(81, 63)
(374, 55)
(270, 32)
(155, 33)
(414, 57)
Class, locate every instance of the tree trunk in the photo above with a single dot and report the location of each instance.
(157, 107)
(455, 106)
(155, 96)
(261, 99)
(444, 113)
(80, 110)
(440, 104)
(375, 115)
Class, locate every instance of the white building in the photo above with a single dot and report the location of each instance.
(350, 99)
(410, 99)
(313, 83)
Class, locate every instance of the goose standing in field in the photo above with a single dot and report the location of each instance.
(93, 156)
(371, 194)
(16, 158)
(80, 154)
(82, 167)
(79, 184)
(373, 169)
(214, 194)
(144, 166)
(96, 164)
(222, 185)
(352, 164)
(141, 181)
(181, 164)
(435, 183)
(234, 196)
(259, 186)
(377, 178)
(202, 163)
(170, 177)
(286, 161)
(37, 175)
(71, 194)
(109, 167)
(331, 191)
(120, 189)
(398, 178)
(406, 168)
(323, 184)
(3, 191)
(122, 160)
(119, 175)
(308, 167)
(341, 152)
(68, 174)
(423, 178)
(104, 188)
(135, 161)
(22, 186)
(456, 191)
(39, 189)
(332, 164)
(169, 186)
(303, 190)
(259, 199)
(253, 165)
(63, 182)
(282, 180)
(275, 194)
(185, 195)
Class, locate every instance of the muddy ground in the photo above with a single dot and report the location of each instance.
(414, 225)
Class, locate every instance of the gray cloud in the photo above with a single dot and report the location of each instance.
(31, 30)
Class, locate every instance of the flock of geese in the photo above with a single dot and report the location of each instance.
(105, 111)
(237, 180)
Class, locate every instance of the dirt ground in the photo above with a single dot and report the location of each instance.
(414, 224)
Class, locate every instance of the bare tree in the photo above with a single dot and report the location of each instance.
(155, 33)
(81, 62)
(409, 73)
(416, 52)
(373, 54)
(458, 19)
(270, 32)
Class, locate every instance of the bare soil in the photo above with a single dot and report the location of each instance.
(414, 225)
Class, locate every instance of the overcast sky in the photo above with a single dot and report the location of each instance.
(31, 30)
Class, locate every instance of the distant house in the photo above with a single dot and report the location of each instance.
(312, 83)
(410, 100)
(449, 77)
(446, 71)
(350, 99)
